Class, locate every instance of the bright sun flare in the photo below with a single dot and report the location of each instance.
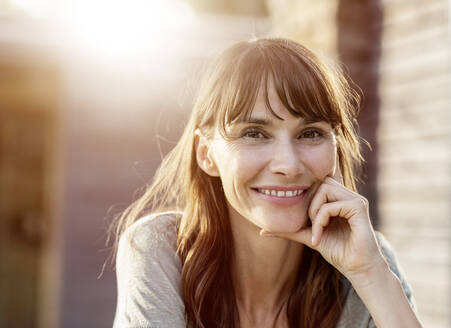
(115, 28)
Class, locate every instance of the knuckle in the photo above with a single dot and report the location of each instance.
(328, 187)
(323, 190)
(325, 183)
(363, 202)
(319, 190)
(322, 216)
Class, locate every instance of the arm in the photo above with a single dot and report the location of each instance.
(382, 293)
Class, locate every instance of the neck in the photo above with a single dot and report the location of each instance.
(264, 272)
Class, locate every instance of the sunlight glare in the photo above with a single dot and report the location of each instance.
(122, 28)
(35, 8)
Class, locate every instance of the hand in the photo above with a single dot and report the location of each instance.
(342, 233)
(341, 229)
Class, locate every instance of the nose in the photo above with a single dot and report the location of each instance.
(286, 160)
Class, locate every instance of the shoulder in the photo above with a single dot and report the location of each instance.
(152, 232)
(354, 312)
(149, 243)
(148, 274)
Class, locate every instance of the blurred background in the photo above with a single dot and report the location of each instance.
(93, 92)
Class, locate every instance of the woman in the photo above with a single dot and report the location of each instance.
(254, 218)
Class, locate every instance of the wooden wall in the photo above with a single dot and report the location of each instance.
(29, 281)
(311, 23)
(415, 148)
(413, 126)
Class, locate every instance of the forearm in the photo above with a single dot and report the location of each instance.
(383, 295)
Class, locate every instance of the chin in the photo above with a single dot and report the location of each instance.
(285, 225)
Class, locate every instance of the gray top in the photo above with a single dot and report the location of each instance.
(148, 278)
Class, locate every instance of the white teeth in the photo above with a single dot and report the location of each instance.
(279, 193)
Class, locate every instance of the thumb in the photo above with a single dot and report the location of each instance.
(303, 236)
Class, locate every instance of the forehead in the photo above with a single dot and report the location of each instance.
(268, 107)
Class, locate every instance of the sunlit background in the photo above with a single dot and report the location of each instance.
(92, 93)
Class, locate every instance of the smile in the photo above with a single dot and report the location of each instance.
(280, 193)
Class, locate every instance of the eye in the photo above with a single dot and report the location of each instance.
(311, 134)
(253, 134)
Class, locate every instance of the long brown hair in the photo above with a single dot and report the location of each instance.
(308, 88)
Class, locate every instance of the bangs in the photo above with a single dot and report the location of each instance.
(300, 84)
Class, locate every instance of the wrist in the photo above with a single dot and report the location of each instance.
(380, 283)
(372, 276)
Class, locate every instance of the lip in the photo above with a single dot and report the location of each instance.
(281, 201)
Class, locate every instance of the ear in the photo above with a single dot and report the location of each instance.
(204, 155)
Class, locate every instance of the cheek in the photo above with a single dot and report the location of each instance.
(235, 168)
(239, 161)
(322, 161)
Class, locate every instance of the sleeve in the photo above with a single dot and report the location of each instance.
(148, 278)
(354, 313)
(395, 267)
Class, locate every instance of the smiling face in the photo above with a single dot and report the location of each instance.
(270, 167)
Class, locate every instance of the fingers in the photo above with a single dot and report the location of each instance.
(311, 236)
(337, 174)
(332, 199)
(327, 192)
(326, 212)
(330, 190)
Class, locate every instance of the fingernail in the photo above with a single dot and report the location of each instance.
(313, 240)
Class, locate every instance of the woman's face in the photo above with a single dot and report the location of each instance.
(271, 168)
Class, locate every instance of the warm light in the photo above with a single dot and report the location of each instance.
(121, 28)
(35, 8)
